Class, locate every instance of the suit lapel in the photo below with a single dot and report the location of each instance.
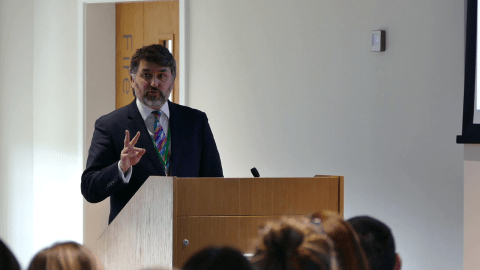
(135, 124)
(175, 126)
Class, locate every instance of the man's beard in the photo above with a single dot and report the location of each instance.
(154, 101)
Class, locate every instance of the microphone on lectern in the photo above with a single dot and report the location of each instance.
(255, 172)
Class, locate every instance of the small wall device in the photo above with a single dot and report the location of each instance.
(378, 40)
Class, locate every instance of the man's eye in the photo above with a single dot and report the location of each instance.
(146, 76)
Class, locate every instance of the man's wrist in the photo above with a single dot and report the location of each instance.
(125, 175)
(122, 168)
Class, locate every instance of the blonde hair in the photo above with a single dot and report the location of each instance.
(65, 256)
(293, 244)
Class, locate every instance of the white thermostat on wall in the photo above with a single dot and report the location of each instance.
(378, 40)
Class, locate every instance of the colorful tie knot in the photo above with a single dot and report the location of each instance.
(157, 113)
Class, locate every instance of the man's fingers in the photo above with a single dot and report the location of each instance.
(136, 150)
(127, 143)
(127, 138)
(133, 155)
(133, 150)
(130, 155)
(139, 150)
(135, 139)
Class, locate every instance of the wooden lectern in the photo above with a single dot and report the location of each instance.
(169, 218)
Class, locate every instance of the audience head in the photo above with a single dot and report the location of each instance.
(7, 259)
(218, 258)
(347, 244)
(65, 256)
(294, 244)
(377, 242)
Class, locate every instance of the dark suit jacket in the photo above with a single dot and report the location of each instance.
(193, 153)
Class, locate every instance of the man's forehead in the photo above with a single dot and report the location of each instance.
(153, 67)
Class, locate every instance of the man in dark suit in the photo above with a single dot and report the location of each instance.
(170, 139)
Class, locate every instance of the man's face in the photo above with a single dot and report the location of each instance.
(152, 84)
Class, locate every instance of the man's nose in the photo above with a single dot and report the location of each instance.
(155, 82)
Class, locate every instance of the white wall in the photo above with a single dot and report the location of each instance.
(292, 88)
(57, 203)
(472, 207)
(16, 102)
(99, 97)
(40, 147)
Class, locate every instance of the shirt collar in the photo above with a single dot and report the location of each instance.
(146, 111)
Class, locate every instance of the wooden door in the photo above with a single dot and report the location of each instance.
(139, 24)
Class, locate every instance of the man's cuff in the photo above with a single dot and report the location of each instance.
(125, 177)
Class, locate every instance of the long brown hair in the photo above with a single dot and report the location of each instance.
(294, 244)
(65, 256)
(347, 244)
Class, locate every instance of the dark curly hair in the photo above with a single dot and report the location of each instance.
(154, 53)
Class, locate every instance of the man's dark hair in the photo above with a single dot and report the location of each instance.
(154, 53)
(377, 242)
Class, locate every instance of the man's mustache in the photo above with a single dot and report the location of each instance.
(154, 89)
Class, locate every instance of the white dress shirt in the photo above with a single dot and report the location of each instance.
(149, 119)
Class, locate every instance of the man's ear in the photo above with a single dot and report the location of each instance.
(131, 85)
(398, 262)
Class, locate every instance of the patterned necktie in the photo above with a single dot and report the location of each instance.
(160, 139)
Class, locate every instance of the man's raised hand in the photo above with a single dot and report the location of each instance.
(130, 155)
